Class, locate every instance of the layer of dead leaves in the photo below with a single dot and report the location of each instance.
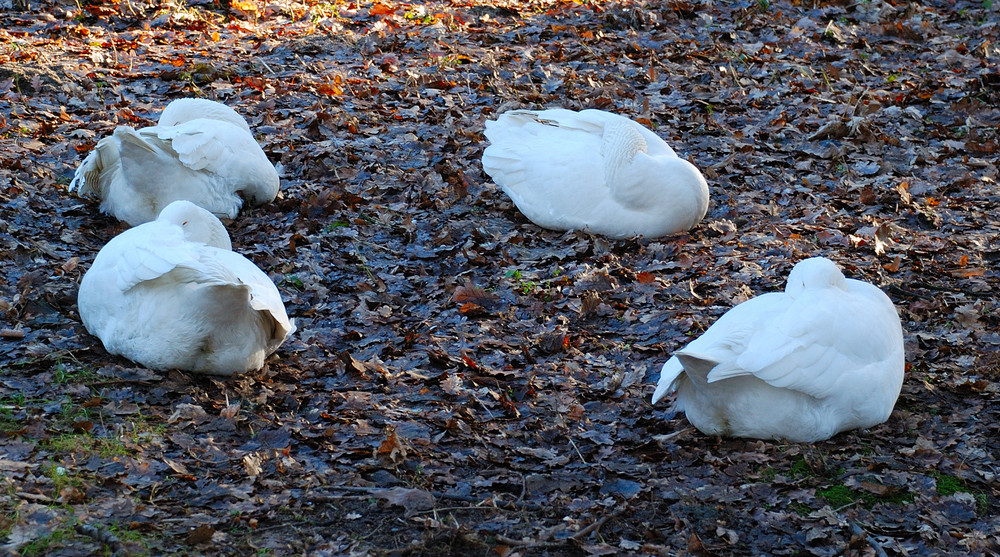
(463, 382)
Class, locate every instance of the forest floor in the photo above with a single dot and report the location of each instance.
(463, 382)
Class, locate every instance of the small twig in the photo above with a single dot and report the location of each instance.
(526, 543)
(12, 333)
(327, 498)
(597, 524)
(842, 507)
(577, 537)
(144, 382)
(364, 265)
(209, 462)
(488, 411)
(736, 81)
(861, 533)
(516, 505)
(691, 289)
(263, 63)
(861, 97)
(575, 448)
(929, 286)
(905, 292)
(436, 510)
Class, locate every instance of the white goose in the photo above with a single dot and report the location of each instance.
(200, 150)
(824, 356)
(568, 170)
(170, 294)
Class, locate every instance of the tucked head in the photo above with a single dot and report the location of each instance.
(199, 225)
(815, 272)
(185, 110)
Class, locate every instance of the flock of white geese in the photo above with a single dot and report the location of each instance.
(821, 357)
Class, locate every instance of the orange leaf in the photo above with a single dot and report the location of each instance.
(575, 412)
(645, 277)
(469, 362)
(215, 36)
(904, 193)
(472, 309)
(70, 264)
(470, 293)
(390, 444)
(963, 261)
(101, 11)
(329, 89)
(381, 9)
(243, 6)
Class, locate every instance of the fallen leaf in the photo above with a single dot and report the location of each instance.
(200, 535)
(413, 500)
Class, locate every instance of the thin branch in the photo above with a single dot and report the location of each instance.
(578, 453)
(861, 533)
(527, 543)
(577, 537)
(490, 499)
(597, 524)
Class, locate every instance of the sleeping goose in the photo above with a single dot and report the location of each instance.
(171, 294)
(200, 150)
(568, 170)
(824, 356)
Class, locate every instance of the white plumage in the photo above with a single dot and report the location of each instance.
(200, 150)
(568, 170)
(170, 294)
(824, 356)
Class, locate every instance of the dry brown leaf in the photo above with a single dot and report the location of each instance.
(70, 264)
(452, 384)
(177, 466)
(200, 535)
(469, 293)
(413, 500)
(883, 238)
(252, 464)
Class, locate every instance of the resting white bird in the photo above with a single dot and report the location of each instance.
(200, 150)
(824, 356)
(171, 294)
(568, 170)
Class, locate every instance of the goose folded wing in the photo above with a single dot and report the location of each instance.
(149, 258)
(264, 295)
(801, 351)
(203, 144)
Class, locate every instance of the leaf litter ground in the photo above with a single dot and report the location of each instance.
(463, 382)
